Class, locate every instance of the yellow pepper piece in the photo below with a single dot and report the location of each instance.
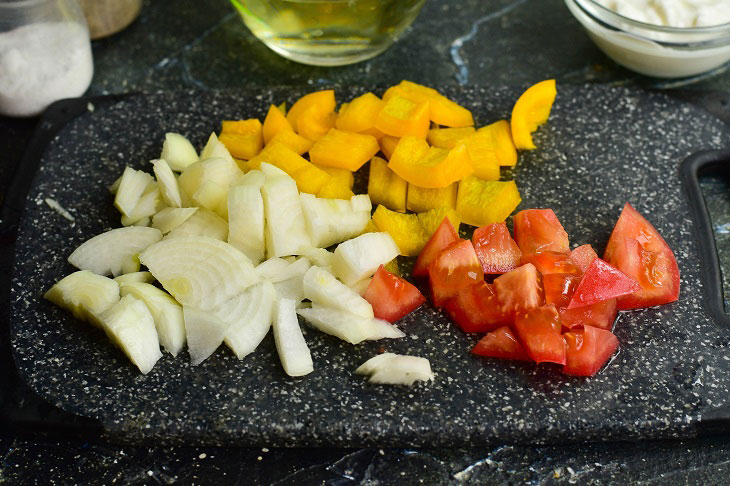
(401, 117)
(292, 140)
(388, 145)
(323, 100)
(314, 123)
(242, 164)
(242, 138)
(423, 199)
(359, 114)
(531, 110)
(275, 123)
(343, 176)
(481, 202)
(281, 156)
(405, 229)
(442, 110)
(371, 227)
(434, 168)
(373, 132)
(504, 148)
(446, 138)
(345, 150)
(386, 187)
(282, 107)
(310, 179)
(334, 189)
(430, 220)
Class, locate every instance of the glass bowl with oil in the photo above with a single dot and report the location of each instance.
(328, 32)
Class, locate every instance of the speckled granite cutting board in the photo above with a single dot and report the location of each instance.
(602, 147)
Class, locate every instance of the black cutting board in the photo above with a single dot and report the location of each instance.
(602, 147)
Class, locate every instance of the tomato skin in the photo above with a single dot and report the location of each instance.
(638, 250)
(520, 289)
(559, 288)
(476, 308)
(539, 331)
(588, 350)
(444, 236)
(392, 297)
(538, 230)
(455, 267)
(601, 282)
(501, 343)
(601, 315)
(496, 249)
(550, 262)
(582, 256)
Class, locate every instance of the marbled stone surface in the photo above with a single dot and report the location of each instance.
(182, 44)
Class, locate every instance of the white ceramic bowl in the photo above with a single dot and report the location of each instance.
(653, 50)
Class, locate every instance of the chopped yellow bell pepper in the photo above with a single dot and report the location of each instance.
(405, 229)
(371, 227)
(386, 187)
(481, 202)
(343, 176)
(280, 156)
(483, 155)
(388, 145)
(334, 189)
(345, 150)
(430, 220)
(314, 123)
(323, 100)
(424, 199)
(373, 132)
(503, 144)
(401, 117)
(446, 138)
(275, 123)
(359, 114)
(242, 138)
(531, 110)
(434, 168)
(442, 110)
(310, 179)
(292, 140)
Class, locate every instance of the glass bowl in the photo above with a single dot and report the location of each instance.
(653, 50)
(328, 32)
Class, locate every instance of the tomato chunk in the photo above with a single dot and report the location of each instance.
(476, 308)
(392, 297)
(496, 249)
(588, 350)
(538, 230)
(501, 343)
(455, 267)
(636, 248)
(601, 315)
(444, 236)
(539, 331)
(601, 282)
(549, 262)
(582, 256)
(559, 288)
(520, 289)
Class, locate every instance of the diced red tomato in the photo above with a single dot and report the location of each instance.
(444, 236)
(538, 230)
(455, 267)
(582, 256)
(601, 315)
(520, 289)
(601, 282)
(636, 248)
(496, 249)
(539, 331)
(588, 350)
(559, 288)
(392, 297)
(549, 262)
(476, 308)
(501, 343)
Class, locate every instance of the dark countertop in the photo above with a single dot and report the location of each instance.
(483, 42)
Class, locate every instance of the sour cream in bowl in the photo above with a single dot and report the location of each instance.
(660, 38)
